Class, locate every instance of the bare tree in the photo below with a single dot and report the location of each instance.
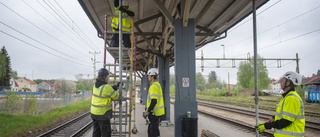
(66, 85)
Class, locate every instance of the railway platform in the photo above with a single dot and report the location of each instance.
(204, 123)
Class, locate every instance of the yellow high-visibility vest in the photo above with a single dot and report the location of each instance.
(126, 24)
(155, 92)
(102, 99)
(290, 108)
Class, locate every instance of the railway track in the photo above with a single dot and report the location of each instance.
(242, 125)
(74, 127)
(309, 124)
(311, 114)
(81, 124)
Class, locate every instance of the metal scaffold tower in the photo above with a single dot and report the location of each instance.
(125, 59)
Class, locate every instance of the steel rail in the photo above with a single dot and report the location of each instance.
(58, 128)
(309, 124)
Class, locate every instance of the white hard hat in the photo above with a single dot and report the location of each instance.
(125, 2)
(152, 71)
(294, 77)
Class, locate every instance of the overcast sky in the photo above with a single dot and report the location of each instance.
(44, 45)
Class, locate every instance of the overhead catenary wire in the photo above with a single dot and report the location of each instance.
(40, 28)
(257, 15)
(41, 42)
(276, 26)
(77, 25)
(65, 21)
(57, 28)
(289, 39)
(43, 49)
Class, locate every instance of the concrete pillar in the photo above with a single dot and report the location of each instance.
(185, 73)
(164, 80)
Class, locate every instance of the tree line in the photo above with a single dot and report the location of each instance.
(5, 69)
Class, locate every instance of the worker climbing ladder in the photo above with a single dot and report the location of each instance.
(125, 57)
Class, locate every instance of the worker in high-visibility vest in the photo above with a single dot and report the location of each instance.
(155, 104)
(289, 120)
(101, 104)
(126, 23)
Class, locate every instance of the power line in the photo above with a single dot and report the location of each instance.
(40, 42)
(257, 14)
(57, 28)
(60, 22)
(39, 28)
(277, 25)
(43, 49)
(76, 25)
(64, 20)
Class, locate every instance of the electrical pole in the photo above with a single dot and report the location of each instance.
(297, 60)
(224, 56)
(94, 63)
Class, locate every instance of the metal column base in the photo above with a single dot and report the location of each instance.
(165, 123)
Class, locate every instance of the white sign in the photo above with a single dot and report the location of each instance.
(185, 82)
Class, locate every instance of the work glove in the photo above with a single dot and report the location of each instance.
(260, 127)
(118, 85)
(115, 87)
(122, 9)
(145, 114)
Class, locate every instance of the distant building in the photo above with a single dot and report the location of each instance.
(275, 84)
(313, 80)
(25, 83)
(45, 86)
(230, 86)
(56, 87)
(13, 85)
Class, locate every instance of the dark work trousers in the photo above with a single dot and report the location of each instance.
(126, 40)
(153, 127)
(101, 128)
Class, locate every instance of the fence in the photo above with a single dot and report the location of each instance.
(36, 103)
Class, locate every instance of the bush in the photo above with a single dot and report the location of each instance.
(12, 99)
(30, 104)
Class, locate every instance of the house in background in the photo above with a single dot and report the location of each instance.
(313, 80)
(275, 85)
(45, 86)
(56, 87)
(25, 83)
(13, 85)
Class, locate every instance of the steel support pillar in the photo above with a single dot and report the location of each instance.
(144, 89)
(185, 73)
(164, 80)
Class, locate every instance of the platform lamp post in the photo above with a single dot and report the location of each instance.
(223, 51)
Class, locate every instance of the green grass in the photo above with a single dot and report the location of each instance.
(13, 124)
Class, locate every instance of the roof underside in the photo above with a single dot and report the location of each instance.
(154, 21)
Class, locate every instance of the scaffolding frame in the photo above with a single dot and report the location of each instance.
(130, 98)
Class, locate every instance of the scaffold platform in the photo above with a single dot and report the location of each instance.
(114, 52)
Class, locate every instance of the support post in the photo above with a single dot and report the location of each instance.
(185, 73)
(164, 80)
(144, 89)
(255, 53)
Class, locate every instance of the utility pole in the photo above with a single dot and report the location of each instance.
(297, 60)
(224, 56)
(228, 88)
(94, 63)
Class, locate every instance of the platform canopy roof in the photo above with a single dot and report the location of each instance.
(154, 22)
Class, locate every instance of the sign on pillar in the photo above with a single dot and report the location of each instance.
(185, 82)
